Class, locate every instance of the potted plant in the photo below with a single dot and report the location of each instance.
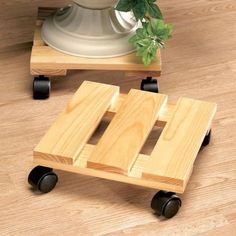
(103, 28)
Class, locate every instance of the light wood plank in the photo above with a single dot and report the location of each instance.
(49, 72)
(44, 57)
(37, 35)
(134, 178)
(164, 115)
(118, 148)
(72, 129)
(144, 74)
(175, 152)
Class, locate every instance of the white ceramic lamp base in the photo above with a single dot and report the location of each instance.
(94, 33)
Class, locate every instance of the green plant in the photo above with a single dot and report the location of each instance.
(153, 33)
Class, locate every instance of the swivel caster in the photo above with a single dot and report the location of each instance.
(42, 179)
(150, 85)
(166, 204)
(41, 87)
(207, 139)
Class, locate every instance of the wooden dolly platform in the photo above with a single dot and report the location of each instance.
(116, 156)
(47, 62)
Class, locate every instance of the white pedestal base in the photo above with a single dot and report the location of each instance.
(92, 33)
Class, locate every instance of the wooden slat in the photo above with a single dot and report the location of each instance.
(144, 74)
(72, 129)
(118, 148)
(44, 57)
(48, 72)
(37, 36)
(134, 177)
(164, 116)
(174, 154)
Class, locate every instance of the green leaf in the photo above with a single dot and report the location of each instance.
(154, 31)
(155, 11)
(124, 5)
(149, 38)
(139, 9)
(160, 29)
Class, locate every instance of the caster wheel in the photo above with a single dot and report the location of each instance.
(42, 179)
(150, 85)
(207, 139)
(166, 204)
(41, 87)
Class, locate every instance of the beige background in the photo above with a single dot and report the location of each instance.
(17, 18)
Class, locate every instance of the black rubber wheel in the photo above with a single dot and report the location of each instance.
(166, 204)
(150, 85)
(42, 179)
(41, 87)
(207, 139)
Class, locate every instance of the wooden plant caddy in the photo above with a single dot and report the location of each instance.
(186, 127)
(47, 62)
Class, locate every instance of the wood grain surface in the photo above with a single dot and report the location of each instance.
(17, 19)
(122, 141)
(46, 59)
(198, 62)
(76, 124)
(117, 155)
(175, 152)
